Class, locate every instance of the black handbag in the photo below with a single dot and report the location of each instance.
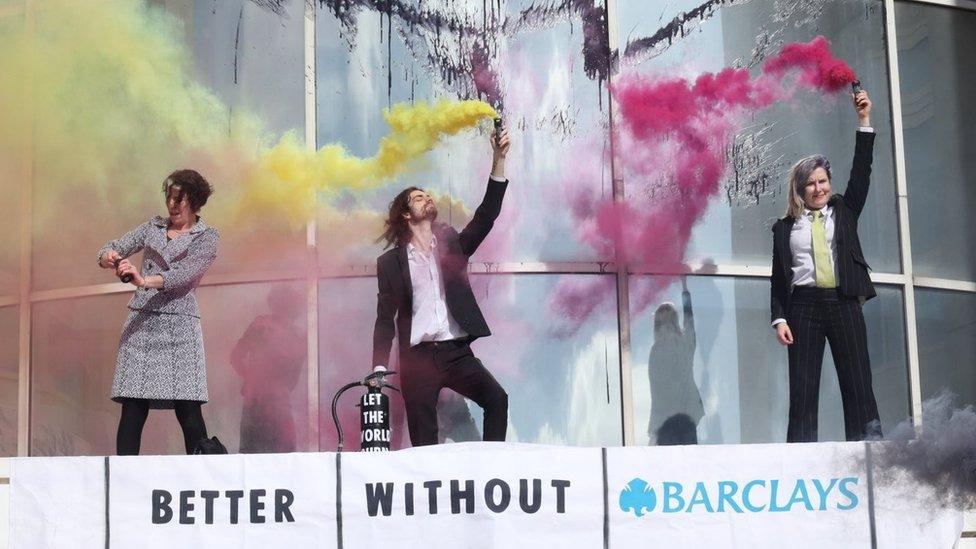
(210, 445)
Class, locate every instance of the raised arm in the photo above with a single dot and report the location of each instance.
(477, 229)
(480, 225)
(689, 314)
(857, 186)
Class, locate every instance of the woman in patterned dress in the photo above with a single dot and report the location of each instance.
(161, 360)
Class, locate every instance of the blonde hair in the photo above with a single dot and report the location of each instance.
(799, 174)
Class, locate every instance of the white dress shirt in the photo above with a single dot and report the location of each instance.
(431, 320)
(801, 245)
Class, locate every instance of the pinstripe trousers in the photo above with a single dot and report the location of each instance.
(818, 315)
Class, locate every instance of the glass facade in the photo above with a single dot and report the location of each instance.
(281, 288)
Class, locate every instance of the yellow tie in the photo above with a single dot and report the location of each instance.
(822, 259)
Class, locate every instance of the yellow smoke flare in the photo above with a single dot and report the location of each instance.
(288, 175)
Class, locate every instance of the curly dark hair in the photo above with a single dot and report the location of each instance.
(396, 230)
(192, 185)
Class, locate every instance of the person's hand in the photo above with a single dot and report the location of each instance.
(862, 104)
(127, 268)
(783, 334)
(500, 143)
(109, 259)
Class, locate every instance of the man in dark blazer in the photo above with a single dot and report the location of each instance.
(819, 282)
(425, 299)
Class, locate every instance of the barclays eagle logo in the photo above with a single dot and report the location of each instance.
(637, 496)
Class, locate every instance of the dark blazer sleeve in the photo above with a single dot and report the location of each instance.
(857, 186)
(484, 217)
(384, 329)
(778, 284)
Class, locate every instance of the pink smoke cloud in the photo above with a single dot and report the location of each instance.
(673, 137)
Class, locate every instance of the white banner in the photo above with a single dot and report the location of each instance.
(478, 495)
(283, 500)
(57, 502)
(765, 495)
(474, 495)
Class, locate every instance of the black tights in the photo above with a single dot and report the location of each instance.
(134, 414)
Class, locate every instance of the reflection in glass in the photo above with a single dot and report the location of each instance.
(255, 337)
(269, 357)
(741, 371)
(676, 403)
(946, 323)
(936, 53)
(562, 390)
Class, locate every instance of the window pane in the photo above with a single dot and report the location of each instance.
(9, 368)
(936, 53)
(556, 114)
(562, 390)
(13, 160)
(739, 370)
(73, 350)
(736, 226)
(257, 342)
(255, 356)
(946, 342)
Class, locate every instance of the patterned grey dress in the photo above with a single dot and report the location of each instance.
(161, 350)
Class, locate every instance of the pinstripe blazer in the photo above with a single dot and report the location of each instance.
(181, 262)
(854, 280)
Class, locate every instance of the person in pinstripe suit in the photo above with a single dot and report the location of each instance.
(818, 285)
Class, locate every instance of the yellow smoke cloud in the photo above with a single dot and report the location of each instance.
(288, 175)
(108, 89)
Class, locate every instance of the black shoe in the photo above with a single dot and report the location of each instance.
(210, 445)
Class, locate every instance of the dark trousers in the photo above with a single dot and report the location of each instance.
(817, 315)
(428, 367)
(134, 413)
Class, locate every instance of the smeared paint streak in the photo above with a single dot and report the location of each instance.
(752, 166)
(786, 14)
(642, 49)
(237, 41)
(276, 7)
(462, 50)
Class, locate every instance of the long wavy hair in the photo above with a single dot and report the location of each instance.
(799, 175)
(396, 228)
